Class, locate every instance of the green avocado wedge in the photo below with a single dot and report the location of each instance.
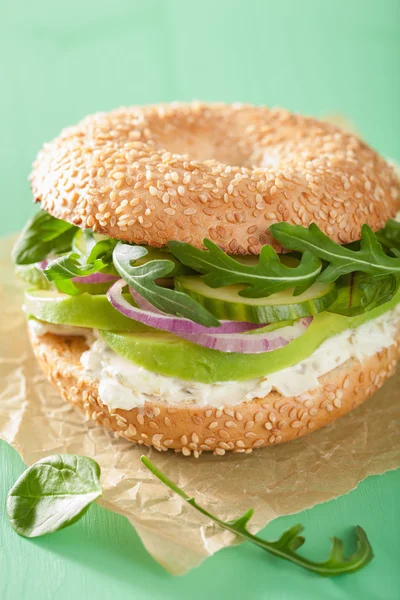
(85, 310)
(169, 355)
(31, 275)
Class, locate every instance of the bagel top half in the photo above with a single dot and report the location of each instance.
(224, 172)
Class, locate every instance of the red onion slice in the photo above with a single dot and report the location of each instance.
(229, 337)
(42, 264)
(159, 320)
(184, 324)
(255, 343)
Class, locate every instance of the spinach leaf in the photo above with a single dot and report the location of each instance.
(53, 493)
(359, 293)
(41, 236)
(389, 236)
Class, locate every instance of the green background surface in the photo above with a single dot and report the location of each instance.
(60, 61)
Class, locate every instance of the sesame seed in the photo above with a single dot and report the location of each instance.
(219, 451)
(258, 443)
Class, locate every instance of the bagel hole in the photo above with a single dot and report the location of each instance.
(202, 147)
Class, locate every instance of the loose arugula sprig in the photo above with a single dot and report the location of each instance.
(370, 258)
(270, 275)
(41, 236)
(52, 494)
(289, 542)
(142, 279)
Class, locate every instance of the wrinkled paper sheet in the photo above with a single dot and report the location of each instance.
(274, 481)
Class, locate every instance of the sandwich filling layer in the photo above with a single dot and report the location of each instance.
(126, 385)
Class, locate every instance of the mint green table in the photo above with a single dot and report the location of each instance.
(62, 60)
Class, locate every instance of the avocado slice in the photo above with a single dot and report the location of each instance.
(169, 355)
(85, 310)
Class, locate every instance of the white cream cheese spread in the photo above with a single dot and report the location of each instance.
(125, 385)
(39, 328)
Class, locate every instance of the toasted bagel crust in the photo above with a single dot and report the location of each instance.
(193, 429)
(225, 172)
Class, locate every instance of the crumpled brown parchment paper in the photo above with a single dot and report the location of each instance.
(274, 481)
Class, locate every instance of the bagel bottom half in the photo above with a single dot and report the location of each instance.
(193, 429)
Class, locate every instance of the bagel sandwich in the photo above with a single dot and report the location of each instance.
(212, 277)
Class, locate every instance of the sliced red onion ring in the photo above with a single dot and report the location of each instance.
(255, 343)
(42, 264)
(96, 278)
(154, 318)
(183, 324)
(229, 337)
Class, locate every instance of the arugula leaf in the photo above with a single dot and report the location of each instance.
(53, 493)
(142, 279)
(64, 268)
(370, 258)
(261, 280)
(336, 564)
(359, 292)
(42, 235)
(389, 236)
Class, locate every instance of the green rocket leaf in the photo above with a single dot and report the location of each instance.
(286, 546)
(370, 258)
(142, 279)
(267, 277)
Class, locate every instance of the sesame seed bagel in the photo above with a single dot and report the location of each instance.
(192, 429)
(225, 172)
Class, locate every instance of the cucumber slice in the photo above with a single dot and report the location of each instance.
(83, 240)
(225, 303)
(164, 353)
(85, 310)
